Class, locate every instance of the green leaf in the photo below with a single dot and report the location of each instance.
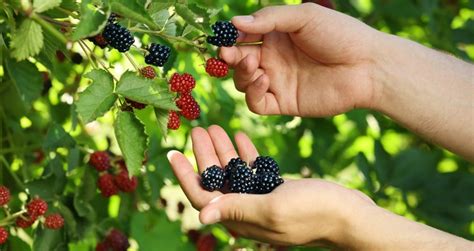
(161, 17)
(47, 239)
(26, 78)
(44, 5)
(366, 169)
(192, 17)
(98, 98)
(162, 118)
(131, 9)
(70, 221)
(132, 140)
(57, 137)
(92, 21)
(27, 41)
(73, 158)
(146, 91)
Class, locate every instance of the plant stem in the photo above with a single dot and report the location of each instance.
(132, 61)
(54, 21)
(249, 43)
(15, 177)
(51, 29)
(19, 149)
(6, 221)
(68, 12)
(88, 55)
(168, 37)
(100, 62)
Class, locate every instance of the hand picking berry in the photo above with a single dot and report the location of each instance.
(225, 34)
(158, 54)
(100, 161)
(54, 221)
(217, 68)
(4, 195)
(212, 178)
(118, 37)
(173, 120)
(182, 83)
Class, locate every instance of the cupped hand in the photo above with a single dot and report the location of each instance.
(313, 61)
(298, 212)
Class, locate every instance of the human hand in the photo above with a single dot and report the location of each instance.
(313, 61)
(298, 212)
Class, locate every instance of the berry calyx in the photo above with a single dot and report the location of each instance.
(4, 195)
(3, 235)
(37, 207)
(117, 241)
(265, 164)
(267, 182)
(173, 120)
(125, 183)
(189, 107)
(148, 72)
(217, 68)
(182, 83)
(212, 178)
(25, 221)
(158, 54)
(100, 161)
(225, 34)
(134, 104)
(54, 221)
(107, 185)
(118, 37)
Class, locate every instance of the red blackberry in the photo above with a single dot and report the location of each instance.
(134, 104)
(118, 37)
(173, 120)
(157, 54)
(54, 221)
(60, 56)
(241, 180)
(99, 40)
(265, 164)
(206, 243)
(25, 221)
(193, 235)
(189, 107)
(117, 241)
(266, 182)
(125, 183)
(107, 185)
(100, 161)
(102, 246)
(37, 207)
(225, 34)
(217, 68)
(3, 235)
(148, 72)
(182, 83)
(4, 195)
(212, 178)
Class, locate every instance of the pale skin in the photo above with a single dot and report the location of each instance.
(317, 62)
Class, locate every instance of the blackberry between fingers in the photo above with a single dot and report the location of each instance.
(267, 182)
(241, 179)
(158, 54)
(233, 163)
(212, 178)
(118, 37)
(225, 34)
(265, 164)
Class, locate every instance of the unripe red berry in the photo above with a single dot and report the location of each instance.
(189, 107)
(37, 207)
(25, 221)
(173, 120)
(125, 183)
(4, 195)
(107, 185)
(3, 235)
(117, 241)
(182, 83)
(100, 161)
(206, 243)
(148, 72)
(217, 68)
(54, 221)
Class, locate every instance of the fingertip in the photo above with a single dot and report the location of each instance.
(230, 55)
(170, 155)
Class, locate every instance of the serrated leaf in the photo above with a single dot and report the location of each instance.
(162, 118)
(92, 21)
(47, 239)
(26, 78)
(27, 41)
(132, 140)
(161, 17)
(132, 10)
(145, 91)
(57, 137)
(98, 98)
(190, 17)
(44, 5)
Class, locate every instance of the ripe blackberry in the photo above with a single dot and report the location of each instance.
(118, 37)
(117, 241)
(135, 104)
(113, 18)
(241, 180)
(189, 107)
(3, 235)
(225, 34)
(99, 40)
(266, 182)
(25, 221)
(157, 54)
(125, 183)
(37, 207)
(76, 58)
(217, 68)
(182, 83)
(173, 120)
(4, 195)
(107, 185)
(265, 164)
(233, 163)
(148, 72)
(212, 178)
(54, 221)
(100, 161)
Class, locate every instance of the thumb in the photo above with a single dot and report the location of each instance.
(278, 18)
(234, 207)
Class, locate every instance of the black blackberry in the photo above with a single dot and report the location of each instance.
(265, 164)
(241, 179)
(225, 34)
(157, 54)
(118, 37)
(212, 178)
(113, 18)
(76, 58)
(233, 163)
(266, 182)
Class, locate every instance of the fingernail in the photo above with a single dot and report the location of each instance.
(244, 19)
(170, 154)
(212, 217)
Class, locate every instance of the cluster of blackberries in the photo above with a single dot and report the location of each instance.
(183, 84)
(157, 54)
(117, 36)
(262, 177)
(225, 34)
(114, 241)
(118, 179)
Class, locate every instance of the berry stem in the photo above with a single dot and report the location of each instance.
(54, 21)
(47, 26)
(168, 37)
(249, 43)
(94, 65)
(98, 60)
(132, 61)
(7, 221)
